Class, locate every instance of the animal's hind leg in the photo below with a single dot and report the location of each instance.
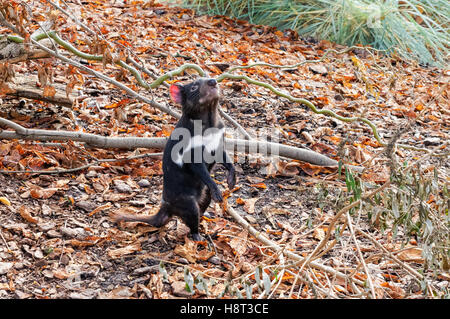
(188, 210)
(162, 217)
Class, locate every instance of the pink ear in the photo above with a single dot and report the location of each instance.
(175, 93)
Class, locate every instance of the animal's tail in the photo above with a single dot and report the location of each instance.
(157, 220)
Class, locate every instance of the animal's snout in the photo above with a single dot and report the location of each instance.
(212, 82)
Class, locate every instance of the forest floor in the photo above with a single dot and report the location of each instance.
(57, 240)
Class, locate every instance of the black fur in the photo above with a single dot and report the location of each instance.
(188, 188)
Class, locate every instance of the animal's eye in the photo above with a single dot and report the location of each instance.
(194, 88)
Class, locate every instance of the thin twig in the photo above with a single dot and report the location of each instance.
(361, 257)
(259, 236)
(4, 240)
(74, 18)
(339, 214)
(279, 276)
(235, 124)
(294, 66)
(105, 78)
(411, 270)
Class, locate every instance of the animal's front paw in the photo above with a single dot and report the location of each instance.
(197, 237)
(217, 195)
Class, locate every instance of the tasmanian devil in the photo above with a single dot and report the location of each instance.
(193, 148)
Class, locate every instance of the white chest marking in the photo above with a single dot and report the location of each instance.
(210, 140)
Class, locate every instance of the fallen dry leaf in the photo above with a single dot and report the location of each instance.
(120, 292)
(100, 208)
(5, 201)
(23, 211)
(393, 290)
(319, 233)
(259, 185)
(49, 91)
(287, 227)
(60, 274)
(61, 184)
(191, 253)
(239, 243)
(42, 193)
(120, 252)
(114, 197)
(83, 243)
(249, 205)
(411, 254)
(5, 286)
(279, 211)
(188, 250)
(313, 170)
(288, 168)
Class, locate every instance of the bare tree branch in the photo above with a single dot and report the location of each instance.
(129, 142)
